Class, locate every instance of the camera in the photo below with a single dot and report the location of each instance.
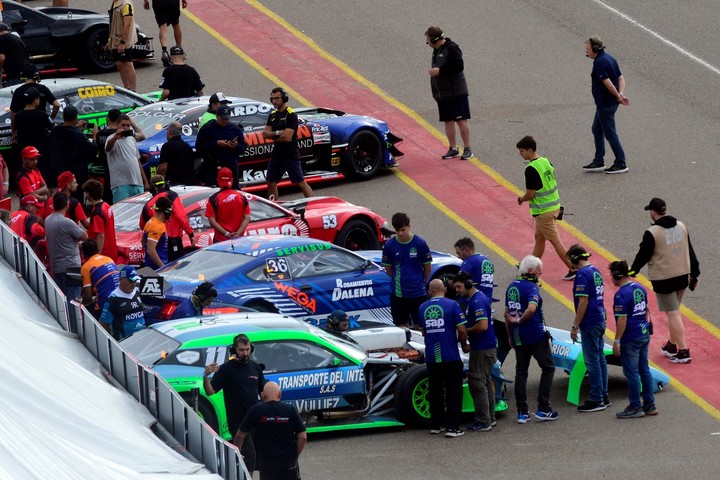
(127, 133)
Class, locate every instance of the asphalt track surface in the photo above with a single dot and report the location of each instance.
(527, 75)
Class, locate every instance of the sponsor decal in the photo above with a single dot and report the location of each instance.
(188, 357)
(151, 287)
(560, 350)
(329, 222)
(350, 290)
(298, 296)
(320, 379)
(97, 91)
(287, 229)
(314, 404)
(312, 247)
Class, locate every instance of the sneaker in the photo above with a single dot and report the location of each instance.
(451, 153)
(437, 431)
(682, 356)
(570, 275)
(548, 416)
(452, 433)
(467, 154)
(165, 57)
(493, 423)
(650, 410)
(523, 418)
(617, 169)
(631, 412)
(606, 401)
(669, 349)
(594, 167)
(479, 427)
(592, 407)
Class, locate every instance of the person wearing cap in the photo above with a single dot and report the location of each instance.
(338, 323)
(221, 143)
(70, 149)
(13, 55)
(126, 171)
(180, 80)
(101, 219)
(63, 236)
(214, 102)
(178, 222)
(31, 77)
(29, 180)
(201, 298)
(281, 128)
(167, 12)
(177, 158)
(32, 128)
(26, 223)
(100, 276)
(75, 212)
(121, 38)
(672, 267)
(123, 314)
(608, 85)
(228, 211)
(155, 237)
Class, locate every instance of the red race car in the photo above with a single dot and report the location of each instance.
(325, 218)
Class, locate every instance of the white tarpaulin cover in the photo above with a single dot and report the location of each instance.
(59, 417)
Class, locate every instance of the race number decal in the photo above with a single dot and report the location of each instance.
(329, 221)
(277, 268)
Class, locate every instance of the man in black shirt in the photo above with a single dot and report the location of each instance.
(13, 55)
(180, 80)
(69, 148)
(177, 159)
(281, 128)
(31, 77)
(242, 381)
(221, 143)
(279, 434)
(32, 127)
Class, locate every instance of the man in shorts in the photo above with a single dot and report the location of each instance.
(167, 12)
(121, 39)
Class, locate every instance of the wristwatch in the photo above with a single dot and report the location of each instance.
(574, 327)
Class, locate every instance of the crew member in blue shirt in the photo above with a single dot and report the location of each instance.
(591, 323)
(632, 339)
(406, 258)
(443, 325)
(483, 351)
(529, 338)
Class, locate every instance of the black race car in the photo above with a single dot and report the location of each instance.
(68, 38)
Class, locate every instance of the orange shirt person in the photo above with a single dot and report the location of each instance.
(228, 210)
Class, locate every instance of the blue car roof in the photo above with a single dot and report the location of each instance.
(256, 245)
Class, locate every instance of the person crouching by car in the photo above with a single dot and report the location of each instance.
(201, 298)
(338, 323)
(155, 238)
(123, 314)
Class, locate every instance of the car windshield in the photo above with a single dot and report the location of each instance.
(149, 346)
(204, 265)
(127, 215)
(154, 118)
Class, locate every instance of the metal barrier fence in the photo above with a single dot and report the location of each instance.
(144, 384)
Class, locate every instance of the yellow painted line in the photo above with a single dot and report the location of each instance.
(562, 299)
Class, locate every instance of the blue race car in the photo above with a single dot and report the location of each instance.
(295, 276)
(333, 144)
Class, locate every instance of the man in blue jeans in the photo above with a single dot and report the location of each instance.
(608, 85)
(632, 340)
(588, 294)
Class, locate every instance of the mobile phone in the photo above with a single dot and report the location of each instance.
(126, 133)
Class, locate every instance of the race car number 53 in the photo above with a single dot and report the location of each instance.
(329, 221)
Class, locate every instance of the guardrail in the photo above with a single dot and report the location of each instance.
(148, 388)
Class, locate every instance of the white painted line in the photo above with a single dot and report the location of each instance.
(667, 42)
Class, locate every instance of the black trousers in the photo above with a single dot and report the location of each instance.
(278, 471)
(446, 388)
(542, 354)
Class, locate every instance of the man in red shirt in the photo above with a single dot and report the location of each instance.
(228, 210)
(29, 181)
(102, 221)
(176, 224)
(25, 222)
(68, 185)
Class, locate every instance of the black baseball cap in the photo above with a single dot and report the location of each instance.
(223, 111)
(656, 205)
(31, 94)
(176, 51)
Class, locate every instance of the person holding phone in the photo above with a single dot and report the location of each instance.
(127, 175)
(222, 144)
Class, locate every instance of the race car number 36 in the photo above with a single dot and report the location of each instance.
(277, 268)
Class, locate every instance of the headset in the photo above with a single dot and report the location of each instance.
(285, 97)
(242, 338)
(529, 276)
(616, 274)
(203, 292)
(166, 211)
(575, 259)
(618, 271)
(466, 280)
(596, 45)
(336, 317)
(438, 38)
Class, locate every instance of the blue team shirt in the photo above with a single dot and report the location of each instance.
(407, 261)
(439, 318)
(479, 309)
(482, 271)
(518, 296)
(589, 283)
(631, 302)
(604, 66)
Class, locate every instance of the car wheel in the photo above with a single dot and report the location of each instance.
(205, 410)
(357, 235)
(261, 306)
(364, 156)
(97, 58)
(412, 401)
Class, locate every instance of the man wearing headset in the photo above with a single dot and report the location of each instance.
(242, 381)
(450, 91)
(281, 128)
(203, 295)
(338, 323)
(608, 85)
(155, 237)
(591, 323)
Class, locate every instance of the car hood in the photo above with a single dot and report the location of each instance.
(320, 204)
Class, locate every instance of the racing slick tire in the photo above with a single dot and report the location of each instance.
(358, 235)
(364, 156)
(412, 402)
(96, 57)
(205, 410)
